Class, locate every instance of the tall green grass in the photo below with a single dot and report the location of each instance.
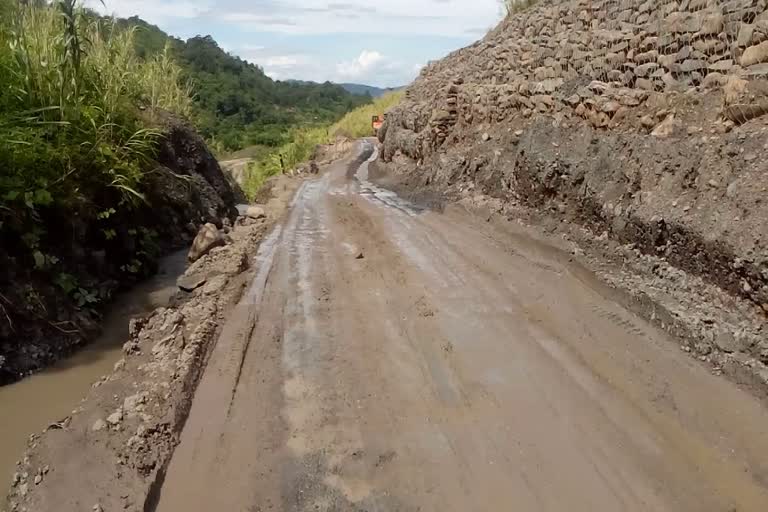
(286, 157)
(76, 133)
(355, 124)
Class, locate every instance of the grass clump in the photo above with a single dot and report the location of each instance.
(286, 157)
(514, 6)
(75, 135)
(357, 124)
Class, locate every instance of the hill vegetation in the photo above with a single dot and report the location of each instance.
(354, 125)
(236, 105)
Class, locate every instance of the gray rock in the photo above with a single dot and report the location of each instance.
(255, 211)
(115, 418)
(745, 35)
(23, 489)
(727, 342)
(714, 80)
(215, 284)
(691, 65)
(667, 128)
(758, 70)
(645, 84)
(190, 283)
(755, 54)
(38, 479)
(645, 70)
(207, 238)
(133, 403)
(712, 24)
(486, 137)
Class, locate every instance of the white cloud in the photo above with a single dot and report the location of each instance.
(362, 65)
(274, 33)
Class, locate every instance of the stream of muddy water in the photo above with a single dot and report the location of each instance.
(32, 404)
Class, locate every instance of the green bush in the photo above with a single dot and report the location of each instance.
(300, 149)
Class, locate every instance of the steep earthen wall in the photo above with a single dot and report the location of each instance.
(641, 119)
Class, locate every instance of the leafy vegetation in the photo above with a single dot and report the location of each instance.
(355, 124)
(75, 134)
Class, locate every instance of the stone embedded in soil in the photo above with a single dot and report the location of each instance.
(134, 403)
(38, 479)
(255, 212)
(115, 418)
(99, 425)
(667, 128)
(215, 284)
(190, 283)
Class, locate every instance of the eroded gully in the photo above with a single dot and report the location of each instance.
(32, 404)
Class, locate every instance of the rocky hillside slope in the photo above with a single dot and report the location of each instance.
(639, 120)
(44, 318)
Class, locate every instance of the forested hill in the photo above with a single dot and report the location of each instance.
(237, 105)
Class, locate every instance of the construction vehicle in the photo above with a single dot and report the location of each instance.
(376, 123)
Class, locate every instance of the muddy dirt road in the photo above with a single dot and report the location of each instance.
(389, 358)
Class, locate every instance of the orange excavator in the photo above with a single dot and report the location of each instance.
(376, 123)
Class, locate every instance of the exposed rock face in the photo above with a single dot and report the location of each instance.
(640, 119)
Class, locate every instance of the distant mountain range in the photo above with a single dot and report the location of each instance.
(356, 89)
(362, 90)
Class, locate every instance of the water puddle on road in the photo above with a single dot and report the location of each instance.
(32, 404)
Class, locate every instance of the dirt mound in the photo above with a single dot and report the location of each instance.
(637, 122)
(45, 316)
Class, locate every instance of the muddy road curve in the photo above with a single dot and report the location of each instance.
(452, 367)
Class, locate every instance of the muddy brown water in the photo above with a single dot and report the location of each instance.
(32, 404)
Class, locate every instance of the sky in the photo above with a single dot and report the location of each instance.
(383, 43)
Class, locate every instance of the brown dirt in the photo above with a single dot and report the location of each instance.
(113, 449)
(454, 366)
(383, 355)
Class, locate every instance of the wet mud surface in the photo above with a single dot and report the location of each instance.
(399, 358)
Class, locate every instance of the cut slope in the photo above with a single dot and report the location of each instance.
(637, 119)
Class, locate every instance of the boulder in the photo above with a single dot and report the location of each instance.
(191, 282)
(207, 238)
(755, 54)
(255, 211)
(667, 128)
